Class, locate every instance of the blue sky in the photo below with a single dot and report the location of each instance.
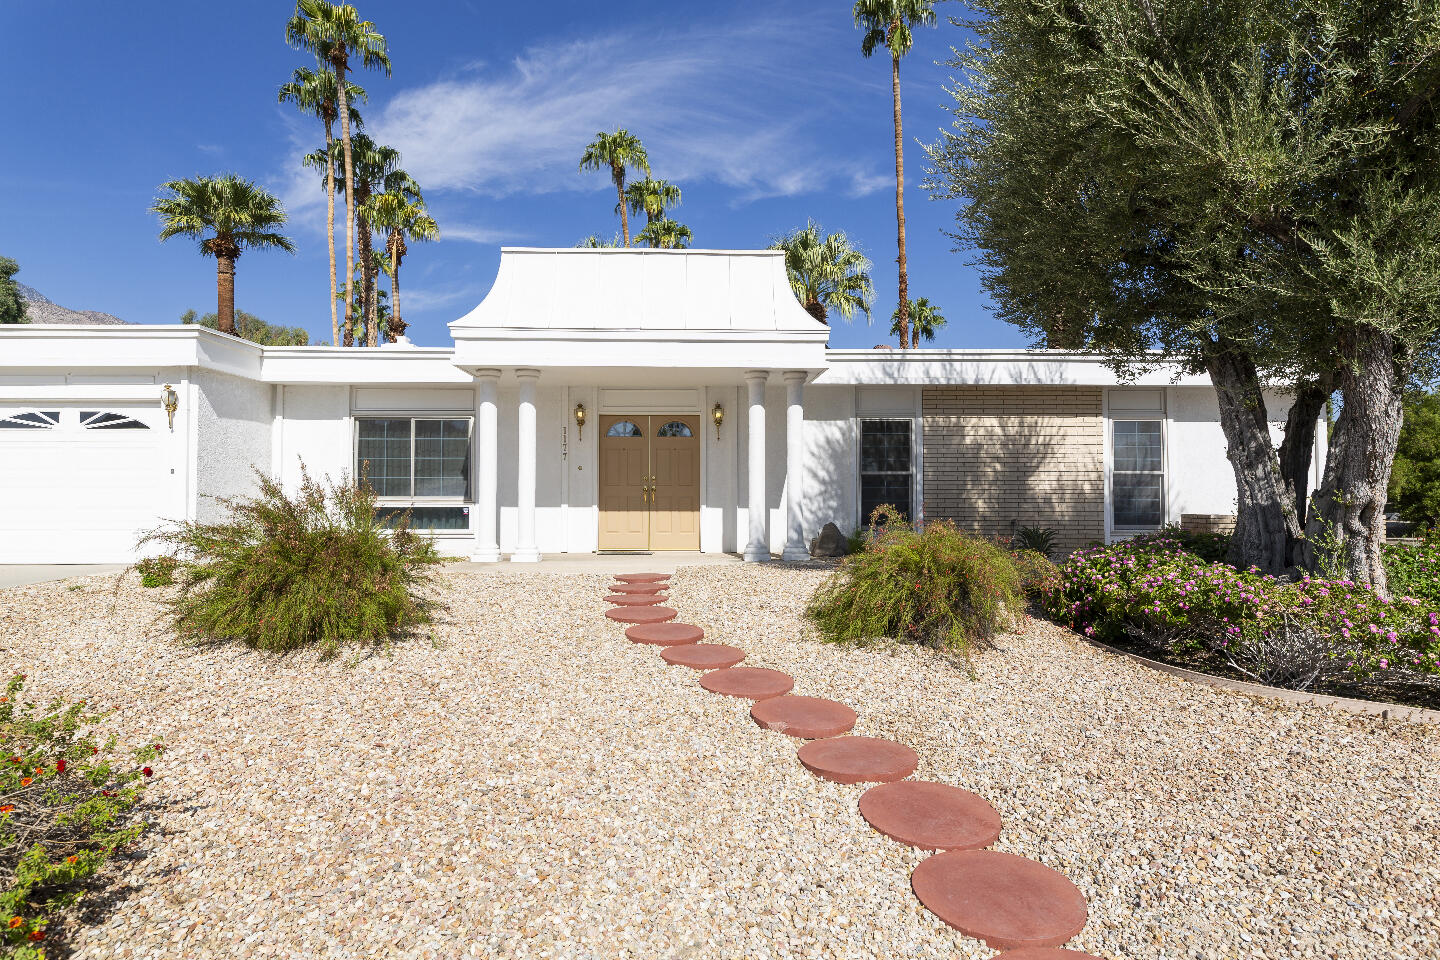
(764, 112)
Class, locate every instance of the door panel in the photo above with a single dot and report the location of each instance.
(624, 467)
(675, 457)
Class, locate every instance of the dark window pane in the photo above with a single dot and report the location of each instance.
(426, 518)
(884, 446)
(675, 428)
(442, 458)
(1138, 445)
(31, 420)
(1137, 500)
(878, 488)
(382, 454)
(97, 420)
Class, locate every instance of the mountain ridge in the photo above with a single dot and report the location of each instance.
(41, 309)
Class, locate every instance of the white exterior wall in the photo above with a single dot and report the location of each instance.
(235, 418)
(315, 429)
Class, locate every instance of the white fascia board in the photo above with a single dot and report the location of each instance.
(349, 365)
(982, 367)
(84, 346)
(640, 349)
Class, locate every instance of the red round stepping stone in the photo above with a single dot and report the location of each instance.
(626, 600)
(703, 656)
(1000, 898)
(751, 683)
(665, 634)
(638, 587)
(1044, 953)
(932, 816)
(859, 759)
(808, 718)
(641, 614)
(643, 577)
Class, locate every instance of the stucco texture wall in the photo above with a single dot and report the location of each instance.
(999, 458)
(235, 418)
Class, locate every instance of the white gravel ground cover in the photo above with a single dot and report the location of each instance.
(531, 784)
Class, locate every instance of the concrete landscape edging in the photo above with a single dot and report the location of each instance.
(1387, 711)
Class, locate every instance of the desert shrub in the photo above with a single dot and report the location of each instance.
(1041, 540)
(1298, 634)
(310, 570)
(1038, 573)
(940, 587)
(1214, 547)
(1413, 570)
(65, 807)
(156, 571)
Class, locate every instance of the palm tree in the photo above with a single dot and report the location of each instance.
(665, 234)
(617, 152)
(925, 322)
(826, 274)
(651, 197)
(334, 33)
(402, 217)
(888, 23)
(236, 212)
(594, 242)
(315, 93)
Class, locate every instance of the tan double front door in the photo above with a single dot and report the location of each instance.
(649, 482)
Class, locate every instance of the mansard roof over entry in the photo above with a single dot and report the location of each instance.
(640, 307)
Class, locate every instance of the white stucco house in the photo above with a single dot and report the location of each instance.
(599, 400)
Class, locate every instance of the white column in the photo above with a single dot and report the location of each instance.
(525, 550)
(758, 546)
(795, 547)
(487, 546)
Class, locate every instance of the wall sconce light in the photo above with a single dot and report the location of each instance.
(170, 400)
(580, 420)
(717, 413)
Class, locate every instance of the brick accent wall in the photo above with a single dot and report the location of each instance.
(1002, 457)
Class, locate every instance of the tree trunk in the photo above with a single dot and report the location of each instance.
(341, 68)
(330, 224)
(904, 291)
(618, 175)
(1298, 447)
(362, 231)
(817, 310)
(397, 254)
(225, 294)
(1265, 521)
(1347, 527)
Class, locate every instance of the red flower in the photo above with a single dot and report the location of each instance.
(25, 781)
(60, 766)
(94, 750)
(16, 922)
(37, 934)
(147, 771)
(7, 808)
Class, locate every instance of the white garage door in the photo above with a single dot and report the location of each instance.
(78, 483)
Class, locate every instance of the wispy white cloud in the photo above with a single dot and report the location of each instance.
(733, 105)
(475, 233)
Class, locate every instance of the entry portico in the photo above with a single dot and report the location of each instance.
(641, 340)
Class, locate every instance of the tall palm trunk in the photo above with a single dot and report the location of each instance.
(397, 253)
(618, 175)
(904, 291)
(225, 293)
(341, 67)
(330, 223)
(367, 282)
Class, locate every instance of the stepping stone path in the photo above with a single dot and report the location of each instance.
(808, 718)
(703, 656)
(642, 614)
(1011, 903)
(635, 600)
(667, 634)
(751, 683)
(932, 816)
(1005, 900)
(859, 759)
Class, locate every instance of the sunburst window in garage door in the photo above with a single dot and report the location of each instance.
(103, 420)
(30, 420)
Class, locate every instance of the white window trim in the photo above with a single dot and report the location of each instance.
(418, 501)
(1113, 532)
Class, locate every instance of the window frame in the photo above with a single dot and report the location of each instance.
(413, 500)
(1131, 416)
(861, 472)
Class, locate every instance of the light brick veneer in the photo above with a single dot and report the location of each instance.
(999, 458)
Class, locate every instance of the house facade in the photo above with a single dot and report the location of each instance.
(599, 400)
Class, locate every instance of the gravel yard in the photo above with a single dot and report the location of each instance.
(529, 783)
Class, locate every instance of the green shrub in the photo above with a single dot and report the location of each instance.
(65, 807)
(941, 588)
(1413, 570)
(312, 570)
(1038, 573)
(157, 571)
(1041, 540)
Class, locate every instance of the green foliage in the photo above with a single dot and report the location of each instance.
(1414, 570)
(1415, 479)
(157, 571)
(289, 572)
(1039, 539)
(888, 23)
(653, 198)
(665, 234)
(941, 588)
(250, 327)
(826, 273)
(12, 305)
(1301, 634)
(224, 214)
(925, 321)
(65, 805)
(1038, 573)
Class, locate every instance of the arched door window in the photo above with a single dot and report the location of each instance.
(675, 428)
(624, 428)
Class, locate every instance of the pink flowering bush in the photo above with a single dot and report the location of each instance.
(1413, 569)
(1298, 634)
